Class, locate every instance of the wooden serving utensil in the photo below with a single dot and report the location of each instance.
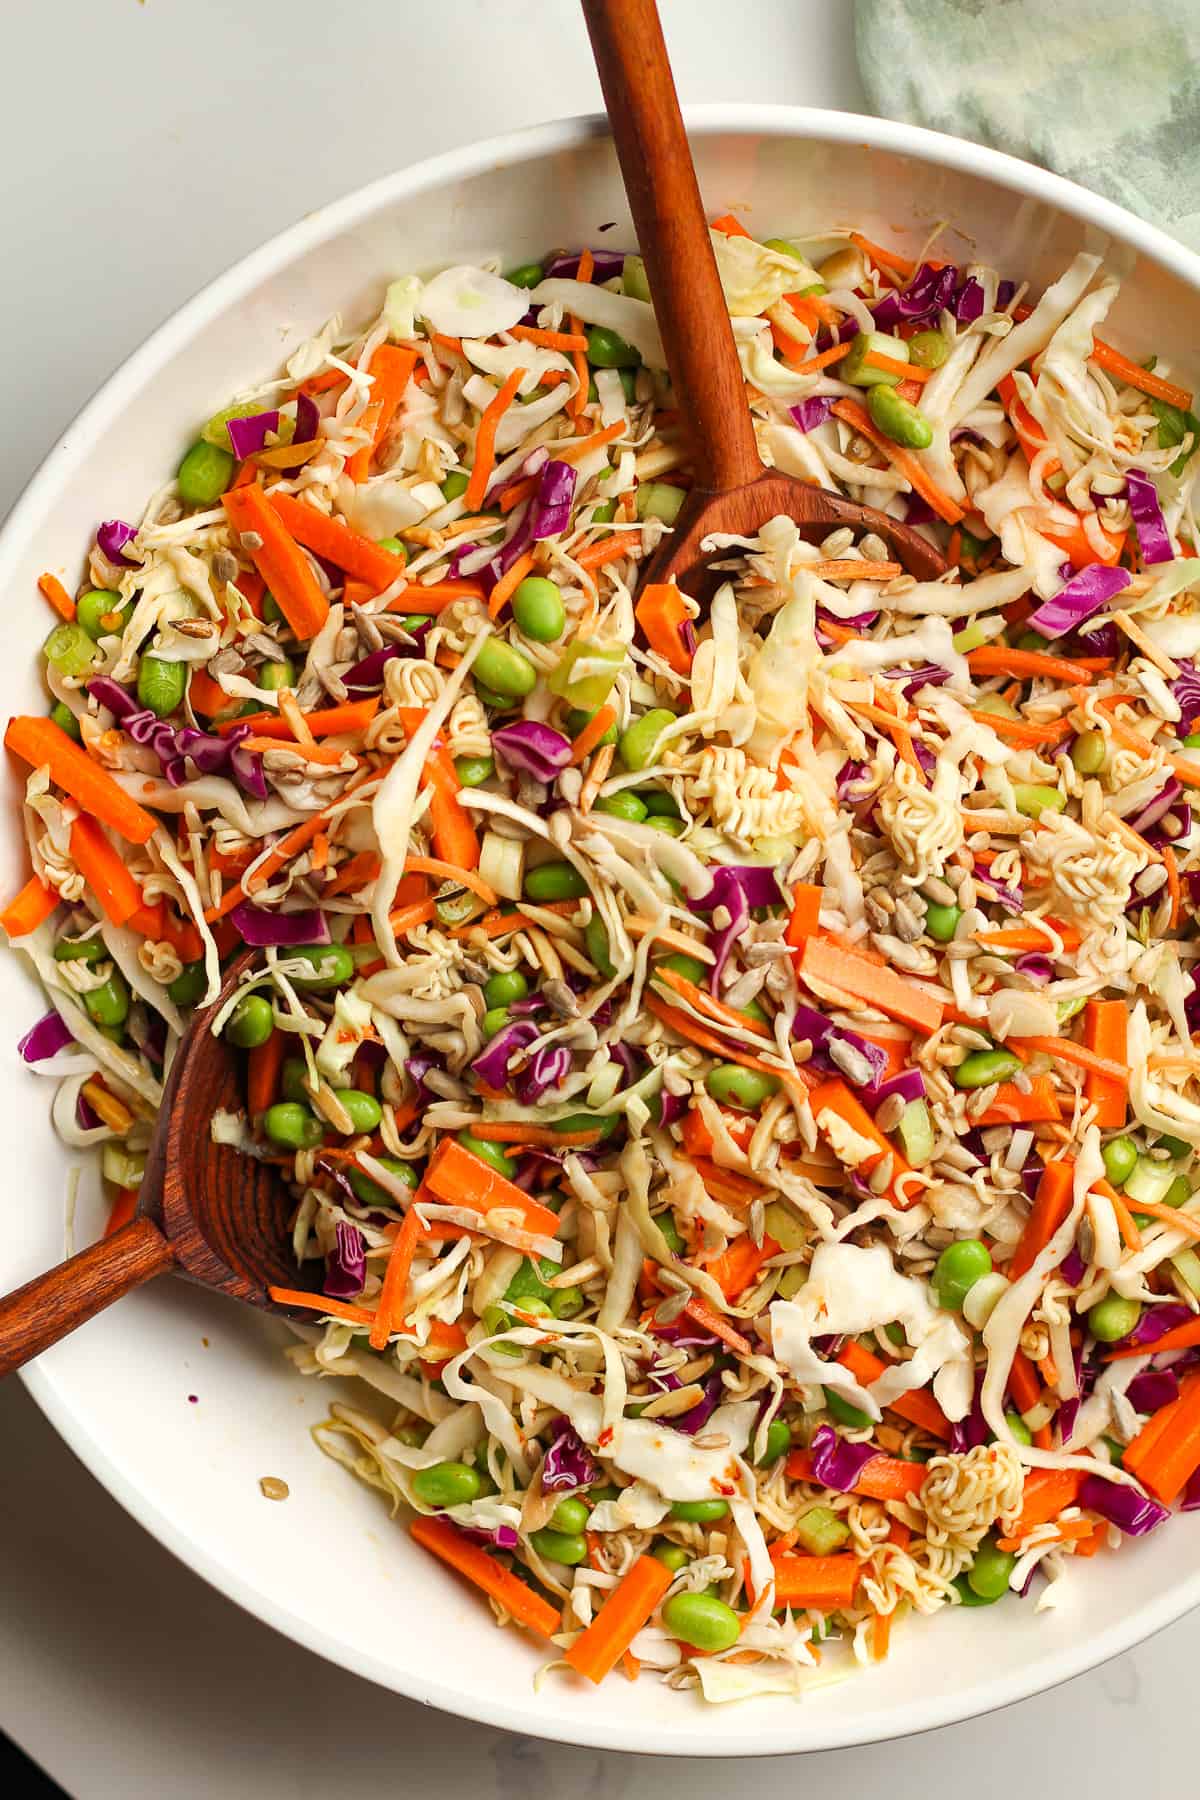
(213, 1215)
(733, 491)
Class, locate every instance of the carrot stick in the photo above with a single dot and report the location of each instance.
(391, 369)
(1023, 1383)
(833, 1096)
(485, 440)
(208, 696)
(548, 340)
(1028, 937)
(906, 371)
(825, 1583)
(849, 569)
(1126, 1223)
(1046, 1493)
(327, 721)
(42, 743)
(716, 1010)
(990, 660)
(887, 259)
(662, 614)
(389, 1309)
(1134, 376)
(725, 1184)
(806, 914)
(28, 909)
(357, 555)
(737, 1267)
(460, 1179)
(593, 731)
(1021, 731)
(729, 226)
(1079, 548)
(54, 591)
(1051, 1204)
(104, 871)
(433, 596)
(913, 471)
(696, 1034)
(444, 871)
(259, 529)
(1165, 1460)
(626, 1608)
(1174, 887)
(883, 1478)
(918, 1407)
(1185, 769)
(1104, 1025)
(121, 1212)
(336, 1309)
(1068, 1051)
(609, 549)
(520, 1131)
(517, 1598)
(879, 987)
(1012, 1106)
(264, 1065)
(718, 1327)
(508, 584)
(834, 354)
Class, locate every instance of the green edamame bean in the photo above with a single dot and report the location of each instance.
(608, 349)
(394, 547)
(1033, 800)
(941, 922)
(899, 419)
(699, 1512)
(595, 937)
(100, 612)
(251, 1022)
(639, 741)
(671, 1556)
(109, 1003)
(370, 1192)
(570, 1515)
(660, 804)
(577, 719)
(623, 805)
(779, 1440)
(1089, 752)
(982, 1067)
(293, 1080)
(65, 719)
(560, 1546)
(188, 985)
(1192, 740)
(702, 1621)
(292, 1126)
(161, 685)
(473, 771)
(1119, 1156)
(504, 671)
(446, 1484)
(456, 484)
(957, 1270)
(554, 881)
(1019, 1428)
(91, 950)
(204, 474)
(1032, 640)
(505, 986)
(271, 610)
(364, 1110)
(837, 1405)
(276, 675)
(1113, 1318)
(966, 1593)
(69, 649)
(732, 1085)
(566, 1302)
(494, 1020)
(538, 609)
(988, 1575)
(928, 349)
(669, 827)
(526, 275)
(330, 964)
(690, 967)
(491, 1154)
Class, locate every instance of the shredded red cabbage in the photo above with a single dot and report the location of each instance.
(1083, 595)
(107, 692)
(1131, 1512)
(913, 680)
(737, 889)
(535, 749)
(1004, 295)
(1155, 809)
(250, 435)
(823, 1035)
(698, 1416)
(346, 1264)
(1155, 1322)
(550, 508)
(308, 418)
(1073, 1267)
(1154, 540)
(837, 1464)
(491, 1065)
(564, 265)
(808, 414)
(45, 1039)
(501, 1537)
(111, 539)
(367, 676)
(1191, 1495)
(548, 1068)
(909, 1084)
(567, 1464)
(929, 292)
(918, 511)
(1153, 1389)
(261, 929)
(968, 303)
(1035, 965)
(1186, 689)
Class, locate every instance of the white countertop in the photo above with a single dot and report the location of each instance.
(204, 126)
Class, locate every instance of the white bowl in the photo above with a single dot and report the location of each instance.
(178, 1402)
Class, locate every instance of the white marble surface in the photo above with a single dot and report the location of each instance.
(147, 146)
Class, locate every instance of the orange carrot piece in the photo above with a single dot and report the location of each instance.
(548, 340)
(1012, 1106)
(593, 731)
(121, 1212)
(53, 590)
(805, 917)
(1021, 732)
(877, 986)
(434, 596)
(625, 1609)
(729, 226)
(359, 556)
(1079, 549)
(1164, 1460)
(517, 1598)
(327, 721)
(1027, 937)
(335, 1309)
(1131, 1237)
(520, 1131)
(391, 368)
(834, 1096)
(696, 1034)
(906, 371)
(1104, 1027)
(104, 870)
(508, 584)
(208, 696)
(913, 471)
(824, 1583)
(989, 660)
(1051, 1204)
(609, 549)
(1079, 1054)
(28, 909)
(42, 743)
(460, 1179)
(1184, 768)
(264, 1065)
(448, 871)
(851, 569)
(277, 557)
(715, 1010)
(887, 259)
(485, 440)
(389, 1309)
(1023, 1383)
(737, 1267)
(725, 1184)
(662, 613)
(883, 1478)
(1134, 376)
(919, 1407)
(1046, 1493)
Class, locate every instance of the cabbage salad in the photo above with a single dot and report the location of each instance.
(733, 1065)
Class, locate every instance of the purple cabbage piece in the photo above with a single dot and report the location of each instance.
(366, 677)
(547, 1069)
(500, 1537)
(86, 1116)
(851, 774)
(1035, 965)
(1175, 823)
(1155, 1322)
(822, 1034)
(925, 757)
(967, 1434)
(918, 511)
(308, 418)
(564, 264)
(909, 1084)
(757, 882)
(250, 434)
(929, 292)
(1156, 808)
(687, 637)
(346, 1264)
(1191, 1495)
(1133, 1513)
(416, 1067)
(45, 1039)
(685, 1335)
(567, 1464)
(673, 1107)
(856, 622)
(968, 302)
(1073, 1268)
(1102, 639)
(1004, 294)
(1082, 596)
(533, 748)
(911, 681)
(697, 1417)
(261, 928)
(107, 692)
(111, 539)
(1153, 1389)
(1186, 689)
(491, 1065)
(174, 744)
(1010, 898)
(837, 1464)
(627, 1056)
(550, 508)
(808, 414)
(1154, 540)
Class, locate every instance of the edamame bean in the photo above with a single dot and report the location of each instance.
(161, 685)
(504, 671)
(364, 1110)
(370, 1192)
(1192, 740)
(982, 1067)
(1113, 1318)
(966, 1593)
(65, 719)
(1089, 752)
(639, 741)
(577, 719)
(928, 349)
(779, 1440)
(276, 675)
(455, 484)
(988, 1575)
(70, 649)
(671, 1556)
(669, 827)
(526, 275)
(89, 950)
(293, 1080)
(840, 1408)
(702, 1621)
(941, 922)
(690, 967)
(330, 964)
(491, 1154)
(608, 349)
(899, 419)
(622, 805)
(188, 985)
(473, 771)
(1119, 1156)
(494, 1020)
(446, 1484)
(292, 1126)
(100, 612)
(699, 1512)
(595, 937)
(505, 986)
(109, 1003)
(732, 1085)
(660, 804)
(566, 1302)
(560, 1546)
(538, 609)
(554, 881)
(251, 1022)
(1033, 800)
(957, 1270)
(204, 474)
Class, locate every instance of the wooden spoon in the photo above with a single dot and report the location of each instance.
(733, 492)
(215, 1216)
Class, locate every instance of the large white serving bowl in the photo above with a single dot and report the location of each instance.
(179, 1403)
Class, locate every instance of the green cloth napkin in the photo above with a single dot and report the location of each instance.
(1104, 91)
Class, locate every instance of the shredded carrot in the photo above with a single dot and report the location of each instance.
(625, 1609)
(336, 1309)
(715, 1010)
(390, 368)
(1134, 376)
(805, 916)
(518, 1599)
(460, 1179)
(1131, 1237)
(389, 1310)
(688, 1028)
(1051, 1204)
(593, 731)
(887, 259)
(444, 871)
(609, 549)
(1104, 1028)
(1077, 546)
(1184, 769)
(835, 1097)
(54, 591)
(328, 721)
(121, 1212)
(521, 1131)
(834, 354)
(1012, 1105)
(508, 584)
(919, 1407)
(264, 1065)
(1021, 731)
(892, 366)
(324, 754)
(992, 660)
(1047, 1492)
(913, 471)
(485, 441)
(1164, 1460)
(28, 909)
(1174, 888)
(876, 986)
(104, 870)
(327, 537)
(883, 1478)
(1022, 938)
(1079, 1054)
(43, 744)
(260, 530)
(549, 340)
(737, 1267)
(725, 1184)
(662, 614)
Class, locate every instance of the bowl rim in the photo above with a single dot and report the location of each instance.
(808, 1728)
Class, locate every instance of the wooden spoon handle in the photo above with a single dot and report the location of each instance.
(664, 198)
(51, 1305)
